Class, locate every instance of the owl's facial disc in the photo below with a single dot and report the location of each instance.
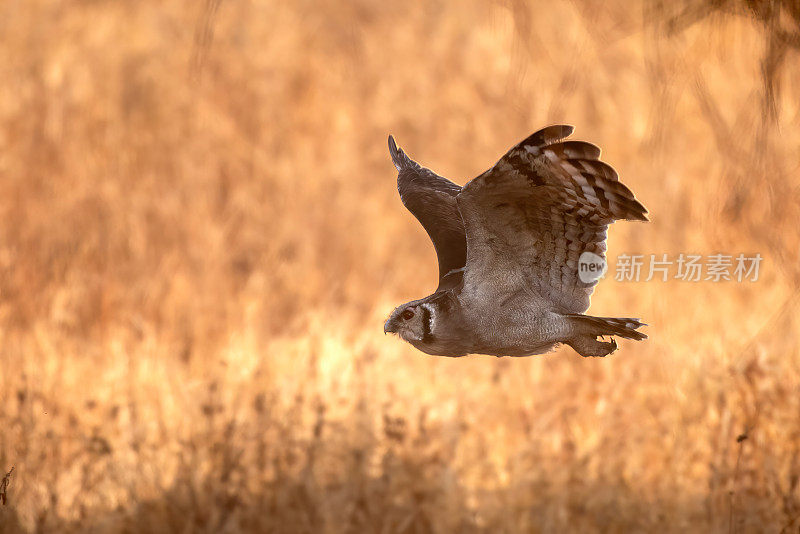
(409, 322)
(405, 321)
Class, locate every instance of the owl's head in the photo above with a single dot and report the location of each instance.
(411, 321)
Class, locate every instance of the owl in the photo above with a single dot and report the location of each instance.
(509, 246)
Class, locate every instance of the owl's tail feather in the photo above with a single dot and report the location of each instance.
(608, 326)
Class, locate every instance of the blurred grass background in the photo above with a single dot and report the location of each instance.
(200, 238)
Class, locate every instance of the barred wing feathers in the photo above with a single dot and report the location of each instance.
(530, 217)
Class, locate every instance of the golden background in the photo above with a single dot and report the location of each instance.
(200, 239)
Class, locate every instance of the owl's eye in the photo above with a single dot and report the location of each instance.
(408, 314)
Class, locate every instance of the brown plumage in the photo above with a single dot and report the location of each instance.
(508, 245)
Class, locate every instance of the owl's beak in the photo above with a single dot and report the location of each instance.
(387, 328)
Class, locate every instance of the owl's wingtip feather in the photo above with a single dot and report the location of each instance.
(399, 158)
(548, 135)
(643, 215)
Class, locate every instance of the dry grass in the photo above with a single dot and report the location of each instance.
(200, 239)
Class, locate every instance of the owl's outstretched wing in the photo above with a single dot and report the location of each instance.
(432, 200)
(530, 217)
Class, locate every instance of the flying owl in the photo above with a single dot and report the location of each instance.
(508, 245)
